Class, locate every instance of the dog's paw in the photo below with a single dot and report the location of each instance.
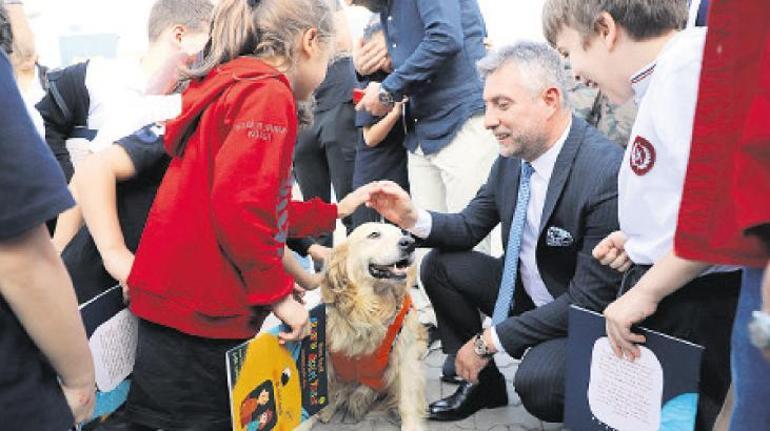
(325, 415)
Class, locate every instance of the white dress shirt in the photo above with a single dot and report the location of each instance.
(529, 274)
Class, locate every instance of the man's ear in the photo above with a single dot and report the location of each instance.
(552, 98)
(607, 30)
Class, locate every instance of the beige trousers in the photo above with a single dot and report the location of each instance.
(447, 181)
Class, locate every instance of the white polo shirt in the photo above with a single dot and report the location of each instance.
(652, 174)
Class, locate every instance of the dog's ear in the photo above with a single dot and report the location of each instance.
(336, 275)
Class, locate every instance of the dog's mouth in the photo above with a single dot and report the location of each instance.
(393, 271)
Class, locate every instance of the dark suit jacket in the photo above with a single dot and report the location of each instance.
(581, 199)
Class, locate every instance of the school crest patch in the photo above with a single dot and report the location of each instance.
(642, 157)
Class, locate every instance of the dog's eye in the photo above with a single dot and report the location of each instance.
(373, 235)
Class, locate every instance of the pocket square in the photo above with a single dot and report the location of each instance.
(558, 237)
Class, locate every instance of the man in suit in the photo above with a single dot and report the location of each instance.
(554, 189)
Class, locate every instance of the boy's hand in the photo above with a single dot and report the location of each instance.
(81, 400)
(631, 308)
(371, 101)
(295, 316)
(611, 251)
(118, 263)
(394, 203)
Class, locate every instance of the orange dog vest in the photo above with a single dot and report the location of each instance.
(369, 370)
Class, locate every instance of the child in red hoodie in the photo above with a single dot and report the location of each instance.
(208, 267)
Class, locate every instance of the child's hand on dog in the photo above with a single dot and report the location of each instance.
(295, 316)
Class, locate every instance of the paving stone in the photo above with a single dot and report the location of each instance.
(510, 418)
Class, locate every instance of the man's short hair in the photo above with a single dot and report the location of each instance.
(641, 19)
(540, 66)
(194, 15)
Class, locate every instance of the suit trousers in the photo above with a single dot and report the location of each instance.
(460, 284)
(701, 312)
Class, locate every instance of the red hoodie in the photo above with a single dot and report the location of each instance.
(209, 261)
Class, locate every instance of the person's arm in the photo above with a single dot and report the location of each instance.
(666, 276)
(305, 279)
(35, 284)
(592, 286)
(95, 182)
(377, 132)
(69, 222)
(443, 39)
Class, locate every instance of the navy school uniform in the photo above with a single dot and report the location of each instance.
(133, 198)
(32, 190)
(385, 161)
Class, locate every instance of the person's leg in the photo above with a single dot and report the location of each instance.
(427, 191)
(311, 169)
(540, 380)
(750, 369)
(179, 381)
(465, 164)
(338, 138)
(460, 284)
(702, 312)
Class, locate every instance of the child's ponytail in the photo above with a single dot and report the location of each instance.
(262, 28)
(233, 33)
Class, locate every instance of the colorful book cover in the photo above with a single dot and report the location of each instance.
(275, 387)
(656, 392)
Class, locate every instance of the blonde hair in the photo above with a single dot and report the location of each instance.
(642, 19)
(263, 28)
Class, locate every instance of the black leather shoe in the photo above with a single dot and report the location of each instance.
(468, 399)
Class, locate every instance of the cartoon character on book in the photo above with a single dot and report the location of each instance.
(266, 394)
(258, 409)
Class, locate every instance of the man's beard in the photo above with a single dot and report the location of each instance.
(376, 6)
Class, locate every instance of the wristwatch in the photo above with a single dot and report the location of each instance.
(759, 330)
(386, 98)
(480, 347)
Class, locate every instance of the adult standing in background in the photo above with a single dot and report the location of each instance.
(434, 47)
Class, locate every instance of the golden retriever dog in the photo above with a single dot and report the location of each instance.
(370, 321)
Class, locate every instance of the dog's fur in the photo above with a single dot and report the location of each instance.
(360, 307)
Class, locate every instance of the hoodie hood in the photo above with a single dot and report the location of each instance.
(203, 92)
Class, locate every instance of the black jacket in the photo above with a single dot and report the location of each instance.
(65, 111)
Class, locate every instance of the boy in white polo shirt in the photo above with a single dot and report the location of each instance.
(634, 48)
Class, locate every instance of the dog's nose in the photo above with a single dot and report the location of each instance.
(406, 243)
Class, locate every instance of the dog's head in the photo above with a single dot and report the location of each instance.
(375, 255)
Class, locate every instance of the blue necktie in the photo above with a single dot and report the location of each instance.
(508, 283)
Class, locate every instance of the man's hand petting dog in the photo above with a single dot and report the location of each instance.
(393, 203)
(294, 315)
